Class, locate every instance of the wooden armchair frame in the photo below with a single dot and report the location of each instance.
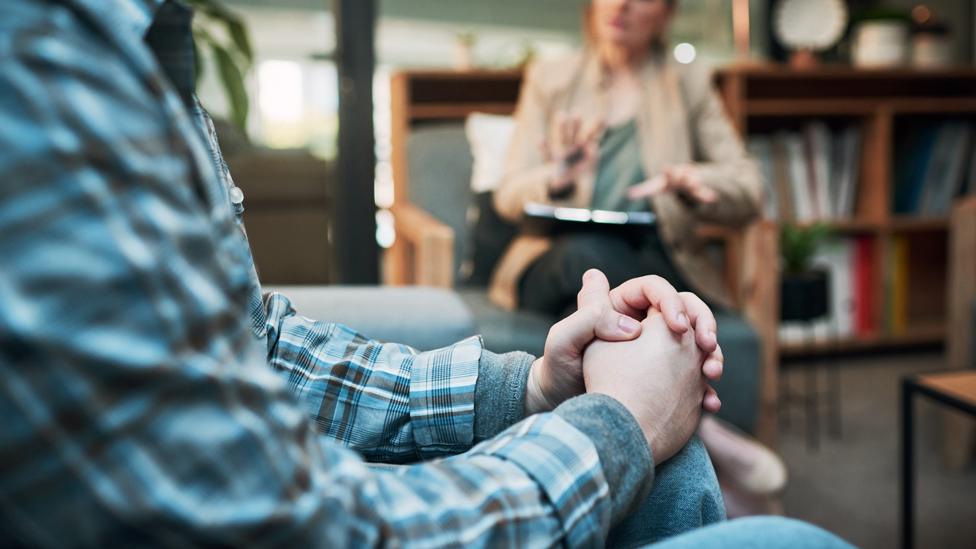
(423, 253)
(960, 434)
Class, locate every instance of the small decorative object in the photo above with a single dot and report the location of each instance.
(808, 27)
(464, 50)
(804, 290)
(930, 41)
(881, 39)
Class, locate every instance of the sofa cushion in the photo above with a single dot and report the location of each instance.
(424, 318)
(506, 331)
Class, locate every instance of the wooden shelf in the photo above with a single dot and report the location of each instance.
(900, 224)
(810, 107)
(834, 71)
(915, 336)
(858, 107)
(434, 112)
(934, 105)
(918, 224)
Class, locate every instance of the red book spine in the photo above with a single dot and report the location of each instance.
(864, 322)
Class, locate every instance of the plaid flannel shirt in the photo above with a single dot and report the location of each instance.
(137, 401)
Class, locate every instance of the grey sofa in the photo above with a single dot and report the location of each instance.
(424, 318)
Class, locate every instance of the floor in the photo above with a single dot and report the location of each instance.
(850, 486)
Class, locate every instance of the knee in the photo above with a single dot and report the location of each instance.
(689, 479)
(685, 497)
(783, 532)
(765, 532)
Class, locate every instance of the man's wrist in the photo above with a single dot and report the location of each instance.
(535, 400)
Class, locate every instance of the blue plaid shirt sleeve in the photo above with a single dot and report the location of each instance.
(388, 401)
(138, 405)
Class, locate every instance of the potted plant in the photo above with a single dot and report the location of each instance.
(804, 289)
(220, 32)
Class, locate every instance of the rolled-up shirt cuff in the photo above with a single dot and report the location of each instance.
(499, 396)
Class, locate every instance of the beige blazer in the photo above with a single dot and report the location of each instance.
(682, 120)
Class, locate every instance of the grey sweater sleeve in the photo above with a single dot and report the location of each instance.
(499, 402)
(499, 393)
(624, 454)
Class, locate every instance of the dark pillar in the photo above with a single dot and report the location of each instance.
(354, 210)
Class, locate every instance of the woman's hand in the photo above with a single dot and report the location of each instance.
(684, 179)
(575, 151)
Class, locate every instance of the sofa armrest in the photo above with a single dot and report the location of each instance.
(423, 253)
(758, 295)
(750, 252)
(424, 318)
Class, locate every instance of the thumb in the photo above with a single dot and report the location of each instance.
(596, 310)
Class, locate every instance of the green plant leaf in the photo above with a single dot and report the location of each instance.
(799, 244)
(238, 34)
(198, 62)
(213, 8)
(233, 80)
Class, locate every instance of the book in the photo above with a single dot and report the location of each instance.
(799, 177)
(846, 171)
(898, 292)
(816, 141)
(912, 153)
(761, 149)
(944, 169)
(781, 176)
(863, 277)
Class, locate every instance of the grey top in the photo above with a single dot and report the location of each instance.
(619, 168)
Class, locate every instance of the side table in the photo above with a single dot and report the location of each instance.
(956, 389)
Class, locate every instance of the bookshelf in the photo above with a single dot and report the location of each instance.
(884, 105)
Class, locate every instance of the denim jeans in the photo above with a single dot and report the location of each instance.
(756, 533)
(685, 497)
(685, 510)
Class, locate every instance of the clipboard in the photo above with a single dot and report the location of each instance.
(545, 219)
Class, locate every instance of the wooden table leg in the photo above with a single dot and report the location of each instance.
(907, 467)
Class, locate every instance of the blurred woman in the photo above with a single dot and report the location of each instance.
(620, 126)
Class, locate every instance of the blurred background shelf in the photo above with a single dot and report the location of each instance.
(921, 336)
(883, 106)
(920, 224)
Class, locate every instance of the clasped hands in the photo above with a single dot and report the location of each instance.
(648, 346)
